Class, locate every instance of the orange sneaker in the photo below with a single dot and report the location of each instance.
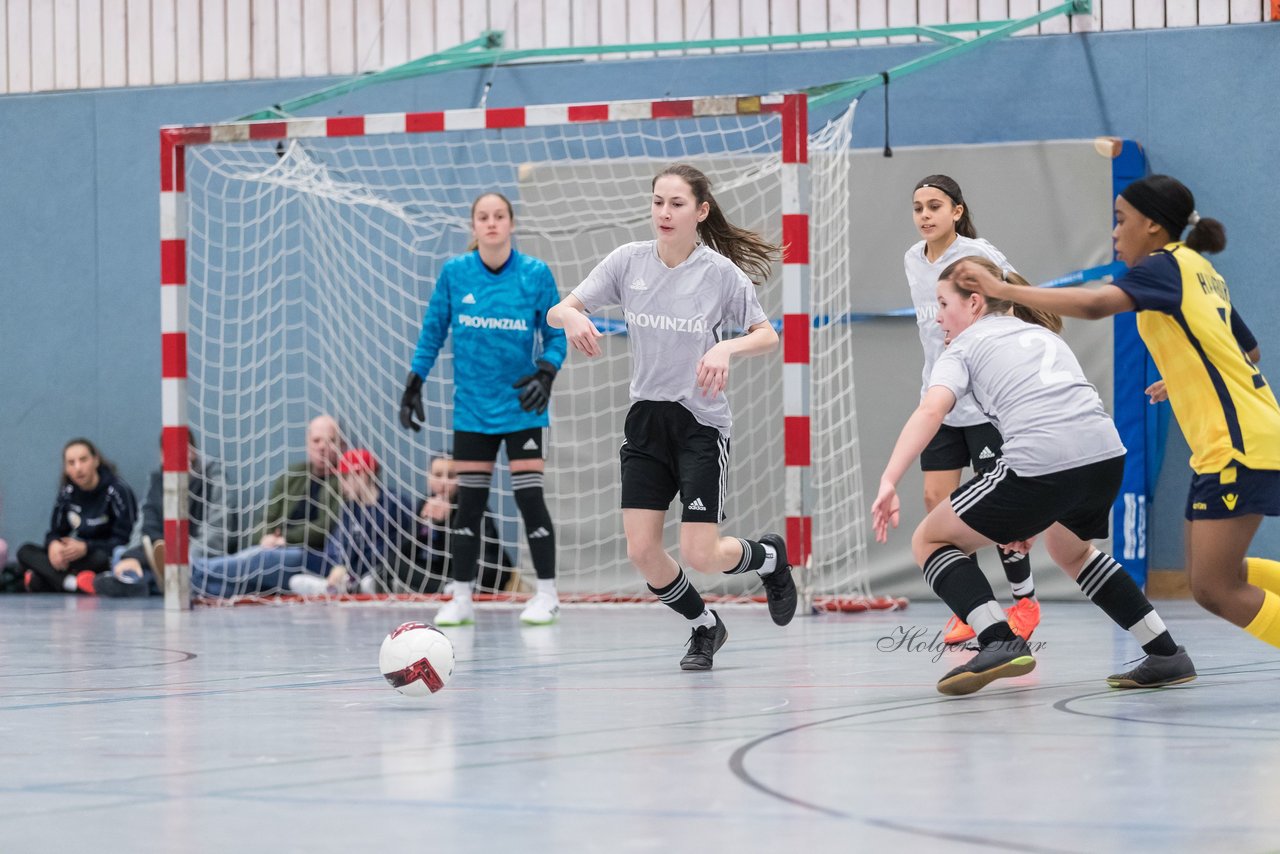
(1024, 616)
(957, 631)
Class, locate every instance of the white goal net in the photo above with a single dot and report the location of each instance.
(309, 265)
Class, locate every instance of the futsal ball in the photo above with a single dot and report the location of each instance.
(416, 659)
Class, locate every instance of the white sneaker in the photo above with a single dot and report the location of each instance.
(542, 610)
(458, 611)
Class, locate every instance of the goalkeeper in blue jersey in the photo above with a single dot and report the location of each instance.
(494, 301)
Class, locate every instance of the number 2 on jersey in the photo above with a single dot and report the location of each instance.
(1048, 375)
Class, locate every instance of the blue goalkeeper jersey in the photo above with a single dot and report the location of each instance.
(499, 327)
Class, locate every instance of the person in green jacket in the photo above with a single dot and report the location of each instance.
(302, 507)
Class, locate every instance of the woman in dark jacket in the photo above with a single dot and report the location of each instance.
(94, 513)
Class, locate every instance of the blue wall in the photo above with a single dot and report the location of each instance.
(79, 308)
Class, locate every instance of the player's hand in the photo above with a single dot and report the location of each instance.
(713, 370)
(271, 541)
(582, 333)
(885, 511)
(971, 277)
(537, 388)
(56, 558)
(411, 403)
(337, 579)
(1157, 392)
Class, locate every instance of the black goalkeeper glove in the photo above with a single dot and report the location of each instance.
(411, 403)
(537, 388)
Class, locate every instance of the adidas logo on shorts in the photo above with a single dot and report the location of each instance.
(469, 299)
(539, 533)
(696, 504)
(531, 445)
(464, 532)
(986, 454)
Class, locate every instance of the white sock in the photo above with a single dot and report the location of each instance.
(69, 584)
(706, 620)
(306, 584)
(460, 590)
(1023, 589)
(770, 560)
(547, 587)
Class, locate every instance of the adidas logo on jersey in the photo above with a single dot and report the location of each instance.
(986, 454)
(530, 445)
(469, 299)
(696, 504)
(463, 532)
(639, 285)
(539, 534)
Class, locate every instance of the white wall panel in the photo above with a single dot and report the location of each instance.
(68, 44)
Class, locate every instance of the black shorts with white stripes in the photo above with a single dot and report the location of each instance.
(1004, 506)
(665, 451)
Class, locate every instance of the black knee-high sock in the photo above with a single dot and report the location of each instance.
(681, 596)
(958, 581)
(1017, 568)
(468, 523)
(1111, 589)
(537, 521)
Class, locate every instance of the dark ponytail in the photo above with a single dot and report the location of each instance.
(948, 185)
(1169, 204)
(749, 252)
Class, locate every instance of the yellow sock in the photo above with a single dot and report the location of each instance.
(1264, 573)
(1266, 625)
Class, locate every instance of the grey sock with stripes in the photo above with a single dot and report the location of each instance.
(1110, 588)
(683, 598)
(958, 581)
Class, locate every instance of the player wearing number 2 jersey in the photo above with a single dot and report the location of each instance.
(1062, 468)
(1207, 358)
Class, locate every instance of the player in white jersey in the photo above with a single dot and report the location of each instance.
(966, 437)
(682, 295)
(1061, 470)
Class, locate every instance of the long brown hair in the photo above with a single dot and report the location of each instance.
(751, 253)
(474, 244)
(1047, 319)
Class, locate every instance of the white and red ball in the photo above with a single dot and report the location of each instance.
(416, 659)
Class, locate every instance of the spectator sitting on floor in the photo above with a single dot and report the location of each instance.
(375, 522)
(303, 505)
(137, 569)
(93, 514)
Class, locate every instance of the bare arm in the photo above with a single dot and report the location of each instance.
(571, 316)
(920, 428)
(1088, 303)
(713, 367)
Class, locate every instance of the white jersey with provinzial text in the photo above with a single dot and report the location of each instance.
(922, 279)
(674, 316)
(1029, 384)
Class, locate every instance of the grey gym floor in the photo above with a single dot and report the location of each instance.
(268, 728)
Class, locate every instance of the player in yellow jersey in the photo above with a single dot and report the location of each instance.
(1207, 358)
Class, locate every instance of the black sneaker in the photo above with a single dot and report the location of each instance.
(106, 584)
(994, 661)
(1156, 671)
(779, 586)
(703, 645)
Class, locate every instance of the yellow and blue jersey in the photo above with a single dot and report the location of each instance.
(1226, 408)
(498, 321)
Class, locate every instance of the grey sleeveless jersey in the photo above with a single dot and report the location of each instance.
(1029, 383)
(673, 316)
(922, 279)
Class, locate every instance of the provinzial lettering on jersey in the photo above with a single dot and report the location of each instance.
(513, 323)
(696, 325)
